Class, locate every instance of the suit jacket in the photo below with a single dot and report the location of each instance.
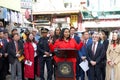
(77, 39)
(4, 47)
(105, 43)
(5, 43)
(83, 50)
(98, 54)
(12, 50)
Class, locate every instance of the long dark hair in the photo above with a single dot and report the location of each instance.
(55, 31)
(103, 33)
(55, 37)
(28, 39)
(118, 37)
(62, 34)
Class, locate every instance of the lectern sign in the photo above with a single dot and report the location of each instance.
(65, 69)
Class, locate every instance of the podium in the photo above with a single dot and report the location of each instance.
(65, 64)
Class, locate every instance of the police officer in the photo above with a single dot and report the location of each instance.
(45, 55)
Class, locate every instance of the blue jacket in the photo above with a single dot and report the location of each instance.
(77, 39)
(83, 50)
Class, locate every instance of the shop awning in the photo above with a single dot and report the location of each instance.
(101, 24)
(11, 4)
(56, 12)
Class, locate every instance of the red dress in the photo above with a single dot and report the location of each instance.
(29, 55)
(63, 44)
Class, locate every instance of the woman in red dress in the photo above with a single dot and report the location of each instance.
(30, 48)
(65, 42)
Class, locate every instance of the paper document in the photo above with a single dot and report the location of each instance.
(84, 65)
(29, 63)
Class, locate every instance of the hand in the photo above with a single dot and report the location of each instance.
(93, 63)
(83, 58)
(47, 54)
(18, 55)
(0, 55)
(50, 40)
(6, 54)
(111, 64)
(82, 39)
(18, 52)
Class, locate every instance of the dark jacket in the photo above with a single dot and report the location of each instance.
(3, 49)
(43, 46)
(77, 39)
(105, 43)
(83, 50)
(12, 50)
(98, 55)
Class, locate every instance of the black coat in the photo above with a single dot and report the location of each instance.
(12, 50)
(43, 46)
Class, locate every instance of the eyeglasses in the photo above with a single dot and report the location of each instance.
(94, 37)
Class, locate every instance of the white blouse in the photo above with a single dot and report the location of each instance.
(35, 48)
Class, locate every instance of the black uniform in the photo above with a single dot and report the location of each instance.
(41, 48)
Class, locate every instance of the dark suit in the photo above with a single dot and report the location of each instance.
(2, 50)
(77, 39)
(95, 71)
(12, 50)
(15, 64)
(5, 59)
(103, 63)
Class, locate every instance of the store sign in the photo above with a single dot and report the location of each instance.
(26, 4)
(74, 20)
(57, 20)
(39, 17)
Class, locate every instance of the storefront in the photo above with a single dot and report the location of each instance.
(10, 14)
(101, 20)
(66, 18)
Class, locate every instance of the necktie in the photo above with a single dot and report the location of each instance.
(84, 42)
(16, 46)
(93, 49)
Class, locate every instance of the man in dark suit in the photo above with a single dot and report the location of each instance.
(83, 52)
(2, 53)
(94, 57)
(5, 56)
(77, 39)
(15, 50)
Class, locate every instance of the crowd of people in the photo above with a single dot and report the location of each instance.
(28, 53)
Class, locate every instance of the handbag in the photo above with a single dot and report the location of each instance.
(21, 58)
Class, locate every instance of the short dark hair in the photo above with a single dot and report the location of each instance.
(14, 30)
(62, 34)
(14, 34)
(72, 28)
(85, 32)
